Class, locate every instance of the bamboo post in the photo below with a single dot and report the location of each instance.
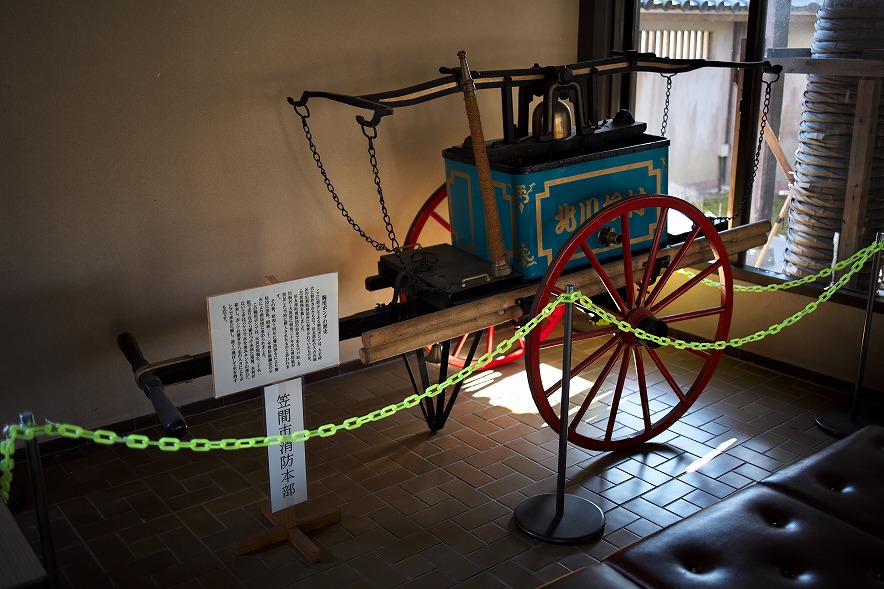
(780, 156)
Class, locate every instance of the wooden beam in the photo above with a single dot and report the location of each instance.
(859, 169)
(291, 526)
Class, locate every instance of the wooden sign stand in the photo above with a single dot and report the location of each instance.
(288, 526)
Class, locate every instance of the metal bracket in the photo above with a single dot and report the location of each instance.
(435, 409)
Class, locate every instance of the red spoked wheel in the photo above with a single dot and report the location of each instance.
(432, 217)
(623, 390)
(431, 220)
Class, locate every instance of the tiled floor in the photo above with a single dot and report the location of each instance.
(419, 509)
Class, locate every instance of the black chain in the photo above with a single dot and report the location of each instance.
(373, 159)
(371, 132)
(666, 104)
(331, 189)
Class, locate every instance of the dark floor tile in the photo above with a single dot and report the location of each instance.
(627, 490)
(419, 509)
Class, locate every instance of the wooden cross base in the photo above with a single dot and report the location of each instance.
(289, 527)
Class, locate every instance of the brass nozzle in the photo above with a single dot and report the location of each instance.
(466, 79)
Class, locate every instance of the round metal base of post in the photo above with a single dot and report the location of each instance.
(837, 422)
(582, 520)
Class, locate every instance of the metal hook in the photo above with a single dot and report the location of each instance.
(372, 124)
(296, 104)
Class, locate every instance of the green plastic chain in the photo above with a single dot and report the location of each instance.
(863, 255)
(137, 441)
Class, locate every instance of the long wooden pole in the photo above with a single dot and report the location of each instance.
(500, 264)
(405, 336)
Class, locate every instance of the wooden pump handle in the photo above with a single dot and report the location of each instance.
(500, 265)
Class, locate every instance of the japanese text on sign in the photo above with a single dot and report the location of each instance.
(273, 333)
(286, 462)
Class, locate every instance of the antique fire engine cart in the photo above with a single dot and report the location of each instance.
(561, 198)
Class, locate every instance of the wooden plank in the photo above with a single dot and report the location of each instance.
(774, 144)
(261, 540)
(286, 517)
(859, 170)
(304, 545)
(413, 334)
(405, 336)
(830, 67)
(319, 520)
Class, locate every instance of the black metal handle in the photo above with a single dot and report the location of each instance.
(170, 418)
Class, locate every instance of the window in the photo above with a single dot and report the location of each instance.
(824, 113)
(701, 104)
(693, 44)
(824, 194)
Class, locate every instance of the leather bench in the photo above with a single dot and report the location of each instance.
(816, 523)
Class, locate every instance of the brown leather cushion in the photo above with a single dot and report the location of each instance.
(755, 538)
(845, 480)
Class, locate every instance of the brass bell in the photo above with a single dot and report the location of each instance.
(561, 128)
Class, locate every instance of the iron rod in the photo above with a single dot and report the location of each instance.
(35, 467)
(867, 329)
(563, 409)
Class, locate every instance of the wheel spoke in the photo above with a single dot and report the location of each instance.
(612, 290)
(652, 255)
(438, 218)
(704, 354)
(681, 290)
(642, 386)
(590, 396)
(460, 344)
(673, 265)
(676, 388)
(618, 392)
(591, 359)
(627, 260)
(580, 337)
(693, 314)
(489, 341)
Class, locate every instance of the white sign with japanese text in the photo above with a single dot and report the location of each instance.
(287, 463)
(273, 333)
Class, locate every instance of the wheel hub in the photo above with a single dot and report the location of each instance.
(641, 318)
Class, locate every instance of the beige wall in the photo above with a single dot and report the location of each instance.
(149, 159)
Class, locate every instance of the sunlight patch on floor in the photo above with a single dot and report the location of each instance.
(504, 391)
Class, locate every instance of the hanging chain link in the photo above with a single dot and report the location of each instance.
(858, 261)
(373, 160)
(666, 104)
(809, 279)
(370, 131)
(765, 111)
(331, 189)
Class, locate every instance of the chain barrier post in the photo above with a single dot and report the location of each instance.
(838, 423)
(543, 516)
(35, 466)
